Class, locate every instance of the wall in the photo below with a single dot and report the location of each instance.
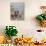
(29, 25)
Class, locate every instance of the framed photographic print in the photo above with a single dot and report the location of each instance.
(17, 11)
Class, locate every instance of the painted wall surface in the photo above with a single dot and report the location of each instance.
(28, 26)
